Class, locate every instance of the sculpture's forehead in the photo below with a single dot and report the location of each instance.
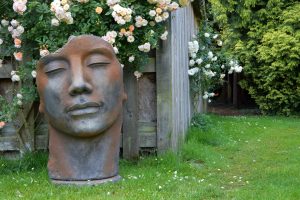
(80, 46)
(83, 44)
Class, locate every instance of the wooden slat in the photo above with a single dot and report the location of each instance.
(147, 139)
(150, 67)
(164, 94)
(26, 130)
(10, 143)
(5, 71)
(130, 118)
(147, 134)
(173, 97)
(41, 142)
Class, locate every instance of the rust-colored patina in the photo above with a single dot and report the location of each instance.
(81, 93)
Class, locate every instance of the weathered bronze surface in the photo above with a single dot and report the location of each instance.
(81, 93)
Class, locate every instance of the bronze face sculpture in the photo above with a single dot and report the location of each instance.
(81, 94)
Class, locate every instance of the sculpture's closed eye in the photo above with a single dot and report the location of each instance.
(99, 64)
(54, 70)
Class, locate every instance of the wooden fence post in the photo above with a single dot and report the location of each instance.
(130, 120)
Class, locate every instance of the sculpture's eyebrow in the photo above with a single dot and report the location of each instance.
(50, 58)
(103, 51)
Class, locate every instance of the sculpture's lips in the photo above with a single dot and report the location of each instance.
(83, 109)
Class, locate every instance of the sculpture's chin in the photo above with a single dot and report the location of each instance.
(85, 127)
(90, 131)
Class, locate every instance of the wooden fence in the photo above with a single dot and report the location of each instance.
(158, 109)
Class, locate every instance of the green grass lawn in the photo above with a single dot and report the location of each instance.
(229, 158)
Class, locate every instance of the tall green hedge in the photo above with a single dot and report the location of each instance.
(265, 36)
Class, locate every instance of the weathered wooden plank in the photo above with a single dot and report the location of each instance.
(130, 118)
(6, 89)
(173, 97)
(147, 139)
(9, 143)
(26, 130)
(147, 134)
(146, 126)
(5, 71)
(164, 94)
(41, 142)
(149, 67)
(147, 99)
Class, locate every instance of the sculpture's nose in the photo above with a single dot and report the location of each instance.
(79, 84)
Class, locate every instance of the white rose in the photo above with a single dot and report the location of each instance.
(66, 7)
(165, 15)
(4, 22)
(145, 22)
(44, 52)
(1, 41)
(64, 2)
(116, 50)
(207, 66)
(238, 69)
(158, 19)
(164, 35)
(19, 102)
(130, 39)
(205, 96)
(12, 72)
(131, 58)
(220, 43)
(15, 33)
(54, 22)
(19, 96)
(15, 78)
(210, 55)
(193, 71)
(206, 35)
(10, 28)
(147, 47)
(214, 58)
(152, 13)
(141, 47)
(14, 23)
(193, 55)
(211, 94)
(199, 61)
(192, 63)
(19, 6)
(137, 74)
(33, 74)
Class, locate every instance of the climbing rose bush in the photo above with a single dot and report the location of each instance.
(33, 29)
(208, 64)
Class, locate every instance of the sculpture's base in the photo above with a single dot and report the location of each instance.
(88, 182)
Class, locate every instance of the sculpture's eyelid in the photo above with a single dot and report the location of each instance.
(55, 68)
(98, 64)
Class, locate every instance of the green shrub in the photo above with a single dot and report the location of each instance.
(266, 37)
